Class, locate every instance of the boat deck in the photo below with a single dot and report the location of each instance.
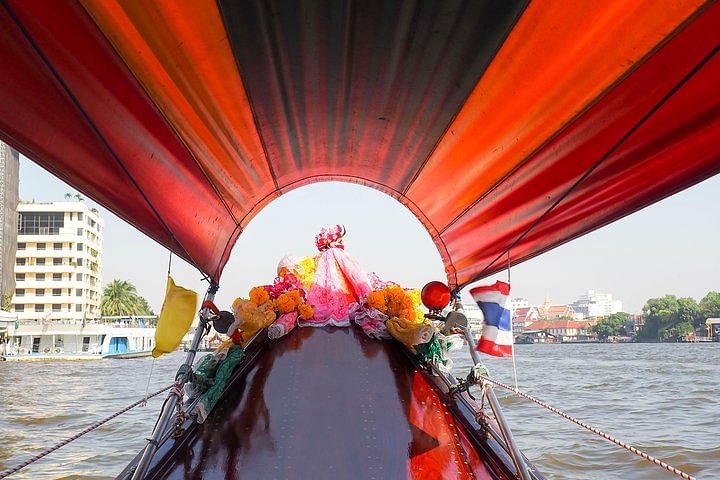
(329, 403)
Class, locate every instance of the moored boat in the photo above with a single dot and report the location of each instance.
(130, 337)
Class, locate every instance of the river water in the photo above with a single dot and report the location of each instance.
(662, 398)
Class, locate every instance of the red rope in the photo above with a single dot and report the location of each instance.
(597, 431)
(92, 427)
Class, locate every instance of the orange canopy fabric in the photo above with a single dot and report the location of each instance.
(507, 128)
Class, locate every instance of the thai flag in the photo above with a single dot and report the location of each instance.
(497, 336)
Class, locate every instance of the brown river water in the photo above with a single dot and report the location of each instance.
(662, 398)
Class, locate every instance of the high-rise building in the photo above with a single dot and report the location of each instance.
(9, 171)
(59, 262)
(595, 304)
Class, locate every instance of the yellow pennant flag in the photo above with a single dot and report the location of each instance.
(176, 316)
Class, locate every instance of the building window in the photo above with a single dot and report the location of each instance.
(20, 307)
(40, 261)
(40, 277)
(19, 292)
(79, 232)
(78, 277)
(41, 246)
(78, 292)
(79, 247)
(39, 308)
(40, 223)
(80, 216)
(19, 277)
(79, 262)
(57, 277)
(57, 261)
(56, 307)
(19, 261)
(57, 292)
(21, 246)
(57, 246)
(39, 292)
(78, 307)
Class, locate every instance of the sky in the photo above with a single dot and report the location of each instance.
(671, 247)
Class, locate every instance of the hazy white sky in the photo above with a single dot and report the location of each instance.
(670, 247)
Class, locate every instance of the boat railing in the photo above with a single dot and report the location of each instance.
(175, 395)
(488, 393)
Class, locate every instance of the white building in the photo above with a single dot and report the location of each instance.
(594, 304)
(58, 262)
(518, 302)
(474, 316)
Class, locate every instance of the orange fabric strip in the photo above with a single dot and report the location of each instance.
(559, 58)
(180, 54)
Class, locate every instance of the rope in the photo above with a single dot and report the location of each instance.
(92, 427)
(597, 431)
(147, 387)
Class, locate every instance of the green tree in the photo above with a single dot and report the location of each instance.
(611, 326)
(659, 314)
(145, 307)
(669, 318)
(676, 332)
(6, 302)
(710, 305)
(689, 312)
(120, 298)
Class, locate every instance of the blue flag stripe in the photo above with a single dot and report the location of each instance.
(496, 315)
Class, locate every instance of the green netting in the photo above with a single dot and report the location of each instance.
(211, 378)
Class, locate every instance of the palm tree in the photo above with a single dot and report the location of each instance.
(68, 196)
(79, 197)
(120, 298)
(145, 307)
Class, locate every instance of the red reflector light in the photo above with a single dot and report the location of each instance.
(435, 295)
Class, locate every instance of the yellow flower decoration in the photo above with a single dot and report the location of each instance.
(306, 311)
(258, 295)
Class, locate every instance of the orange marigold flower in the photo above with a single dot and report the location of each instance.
(258, 295)
(285, 303)
(306, 311)
(377, 300)
(295, 295)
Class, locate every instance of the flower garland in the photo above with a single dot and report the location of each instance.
(268, 304)
(395, 301)
(285, 295)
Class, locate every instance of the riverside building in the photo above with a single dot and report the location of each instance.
(58, 263)
(594, 305)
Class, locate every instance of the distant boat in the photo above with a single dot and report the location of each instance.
(109, 337)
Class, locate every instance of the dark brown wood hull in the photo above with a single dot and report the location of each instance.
(332, 403)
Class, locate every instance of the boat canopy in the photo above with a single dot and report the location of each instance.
(506, 127)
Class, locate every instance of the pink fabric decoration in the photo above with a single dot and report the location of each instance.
(339, 282)
(371, 320)
(283, 325)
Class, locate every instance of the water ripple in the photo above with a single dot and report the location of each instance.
(662, 398)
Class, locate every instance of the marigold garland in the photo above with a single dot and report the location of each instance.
(395, 301)
(306, 311)
(259, 296)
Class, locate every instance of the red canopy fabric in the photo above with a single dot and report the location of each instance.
(507, 128)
